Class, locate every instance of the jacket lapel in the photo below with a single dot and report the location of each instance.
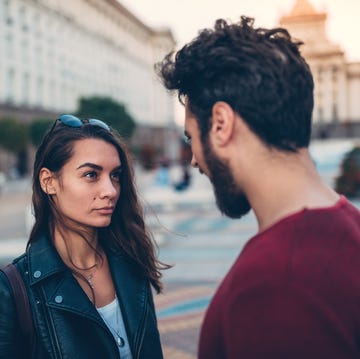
(132, 292)
(60, 288)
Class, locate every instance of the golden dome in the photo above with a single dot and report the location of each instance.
(303, 11)
(301, 8)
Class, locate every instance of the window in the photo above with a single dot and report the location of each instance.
(22, 18)
(7, 15)
(9, 46)
(10, 85)
(25, 49)
(39, 91)
(25, 88)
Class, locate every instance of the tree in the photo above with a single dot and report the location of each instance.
(110, 111)
(13, 135)
(13, 138)
(37, 130)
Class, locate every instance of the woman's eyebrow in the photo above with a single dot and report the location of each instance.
(97, 167)
(118, 168)
(91, 165)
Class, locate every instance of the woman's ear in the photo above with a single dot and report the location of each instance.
(47, 181)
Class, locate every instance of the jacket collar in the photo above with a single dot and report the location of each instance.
(131, 288)
(44, 260)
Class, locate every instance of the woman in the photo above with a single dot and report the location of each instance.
(89, 262)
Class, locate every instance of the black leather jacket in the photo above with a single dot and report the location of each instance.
(67, 325)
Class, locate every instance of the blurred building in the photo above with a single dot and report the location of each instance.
(54, 52)
(337, 82)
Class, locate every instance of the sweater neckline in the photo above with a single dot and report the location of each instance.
(338, 204)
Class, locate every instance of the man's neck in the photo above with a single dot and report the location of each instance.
(287, 185)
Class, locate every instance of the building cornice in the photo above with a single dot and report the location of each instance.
(128, 14)
(321, 17)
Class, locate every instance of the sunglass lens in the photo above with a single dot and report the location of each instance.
(70, 120)
(94, 121)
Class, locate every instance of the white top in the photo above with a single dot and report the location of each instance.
(111, 314)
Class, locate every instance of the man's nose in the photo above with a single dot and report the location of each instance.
(194, 162)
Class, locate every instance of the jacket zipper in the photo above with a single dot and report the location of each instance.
(141, 338)
(50, 324)
(138, 342)
(108, 332)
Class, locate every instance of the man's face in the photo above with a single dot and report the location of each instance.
(192, 133)
(230, 200)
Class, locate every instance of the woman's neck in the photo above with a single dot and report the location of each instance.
(76, 249)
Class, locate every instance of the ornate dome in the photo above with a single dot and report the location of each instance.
(301, 8)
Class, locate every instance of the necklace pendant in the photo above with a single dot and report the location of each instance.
(120, 341)
(89, 280)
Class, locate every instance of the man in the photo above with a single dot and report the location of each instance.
(294, 291)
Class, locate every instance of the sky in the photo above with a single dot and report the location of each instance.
(186, 17)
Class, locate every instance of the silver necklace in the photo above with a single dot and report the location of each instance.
(88, 279)
(116, 333)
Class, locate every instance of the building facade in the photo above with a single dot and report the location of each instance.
(55, 52)
(337, 82)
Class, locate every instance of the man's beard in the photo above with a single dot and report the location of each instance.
(230, 200)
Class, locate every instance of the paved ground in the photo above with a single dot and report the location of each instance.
(180, 313)
(14, 202)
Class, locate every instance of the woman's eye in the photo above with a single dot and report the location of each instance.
(116, 176)
(91, 175)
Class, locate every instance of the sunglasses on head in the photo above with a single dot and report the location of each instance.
(73, 121)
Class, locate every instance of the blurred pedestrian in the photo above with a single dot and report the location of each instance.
(90, 260)
(184, 183)
(294, 291)
(162, 178)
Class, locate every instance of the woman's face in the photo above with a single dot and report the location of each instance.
(88, 188)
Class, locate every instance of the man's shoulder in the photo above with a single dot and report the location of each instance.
(299, 253)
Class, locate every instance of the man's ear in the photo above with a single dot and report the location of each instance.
(47, 181)
(223, 123)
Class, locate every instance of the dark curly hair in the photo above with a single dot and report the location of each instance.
(259, 72)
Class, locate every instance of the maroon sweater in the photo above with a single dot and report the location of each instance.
(294, 291)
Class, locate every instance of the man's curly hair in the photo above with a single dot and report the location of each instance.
(259, 72)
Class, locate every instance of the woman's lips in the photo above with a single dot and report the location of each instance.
(105, 210)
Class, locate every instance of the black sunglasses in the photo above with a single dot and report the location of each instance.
(73, 121)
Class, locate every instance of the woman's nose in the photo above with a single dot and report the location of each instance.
(109, 189)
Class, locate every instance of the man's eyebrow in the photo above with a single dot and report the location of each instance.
(91, 165)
